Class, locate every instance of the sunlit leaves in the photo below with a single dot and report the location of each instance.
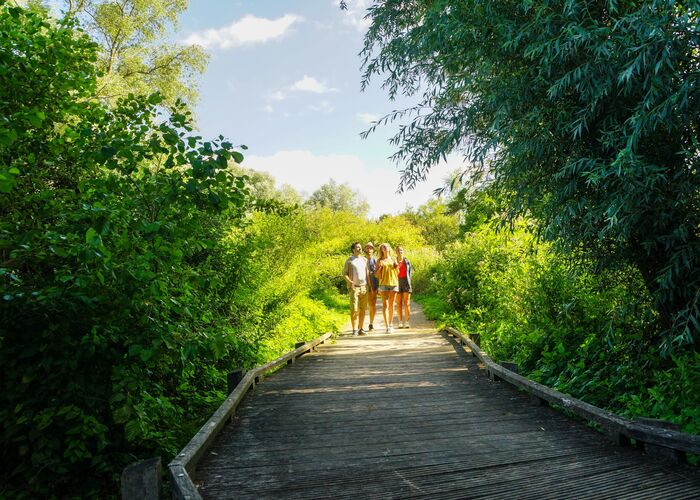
(108, 215)
(134, 57)
(586, 114)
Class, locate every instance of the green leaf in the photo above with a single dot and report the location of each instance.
(146, 354)
(35, 117)
(152, 227)
(7, 137)
(91, 235)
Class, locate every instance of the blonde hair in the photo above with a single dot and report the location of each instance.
(385, 248)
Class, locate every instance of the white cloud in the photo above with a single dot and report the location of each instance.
(248, 30)
(322, 107)
(278, 96)
(355, 14)
(310, 84)
(367, 118)
(269, 108)
(306, 172)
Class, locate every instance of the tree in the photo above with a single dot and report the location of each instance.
(106, 217)
(135, 58)
(338, 198)
(438, 227)
(585, 113)
(262, 186)
(287, 194)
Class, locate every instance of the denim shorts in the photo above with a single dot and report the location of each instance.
(387, 288)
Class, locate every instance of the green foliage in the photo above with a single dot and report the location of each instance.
(339, 198)
(476, 207)
(134, 56)
(438, 226)
(585, 113)
(262, 187)
(105, 325)
(45, 72)
(137, 266)
(582, 333)
(673, 396)
(396, 230)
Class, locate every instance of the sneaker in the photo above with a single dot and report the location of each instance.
(406, 325)
(371, 327)
(400, 324)
(361, 332)
(354, 333)
(390, 329)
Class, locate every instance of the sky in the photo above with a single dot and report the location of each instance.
(284, 79)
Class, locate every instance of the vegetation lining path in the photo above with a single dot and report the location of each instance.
(409, 414)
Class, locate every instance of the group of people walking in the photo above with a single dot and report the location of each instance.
(388, 275)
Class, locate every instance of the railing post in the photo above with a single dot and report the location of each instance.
(661, 452)
(234, 378)
(141, 480)
(619, 439)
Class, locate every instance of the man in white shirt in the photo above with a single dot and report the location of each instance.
(356, 273)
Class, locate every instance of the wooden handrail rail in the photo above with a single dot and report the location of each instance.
(613, 423)
(183, 466)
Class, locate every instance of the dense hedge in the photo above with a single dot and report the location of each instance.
(135, 270)
(581, 332)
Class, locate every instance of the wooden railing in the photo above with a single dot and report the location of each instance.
(183, 466)
(667, 443)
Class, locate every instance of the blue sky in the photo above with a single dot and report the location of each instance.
(284, 79)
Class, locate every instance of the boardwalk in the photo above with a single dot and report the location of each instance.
(410, 415)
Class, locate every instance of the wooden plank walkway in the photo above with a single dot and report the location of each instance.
(409, 414)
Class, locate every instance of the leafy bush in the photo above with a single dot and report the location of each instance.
(582, 333)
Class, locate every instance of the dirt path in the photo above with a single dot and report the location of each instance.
(419, 324)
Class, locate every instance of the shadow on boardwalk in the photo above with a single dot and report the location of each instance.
(409, 414)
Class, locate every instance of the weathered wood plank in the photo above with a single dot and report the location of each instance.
(141, 481)
(189, 457)
(413, 415)
(182, 485)
(634, 430)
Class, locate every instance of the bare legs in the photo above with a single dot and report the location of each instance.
(372, 303)
(353, 319)
(403, 305)
(399, 309)
(388, 299)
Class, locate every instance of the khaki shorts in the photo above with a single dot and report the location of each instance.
(358, 298)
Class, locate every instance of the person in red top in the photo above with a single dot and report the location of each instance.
(403, 298)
